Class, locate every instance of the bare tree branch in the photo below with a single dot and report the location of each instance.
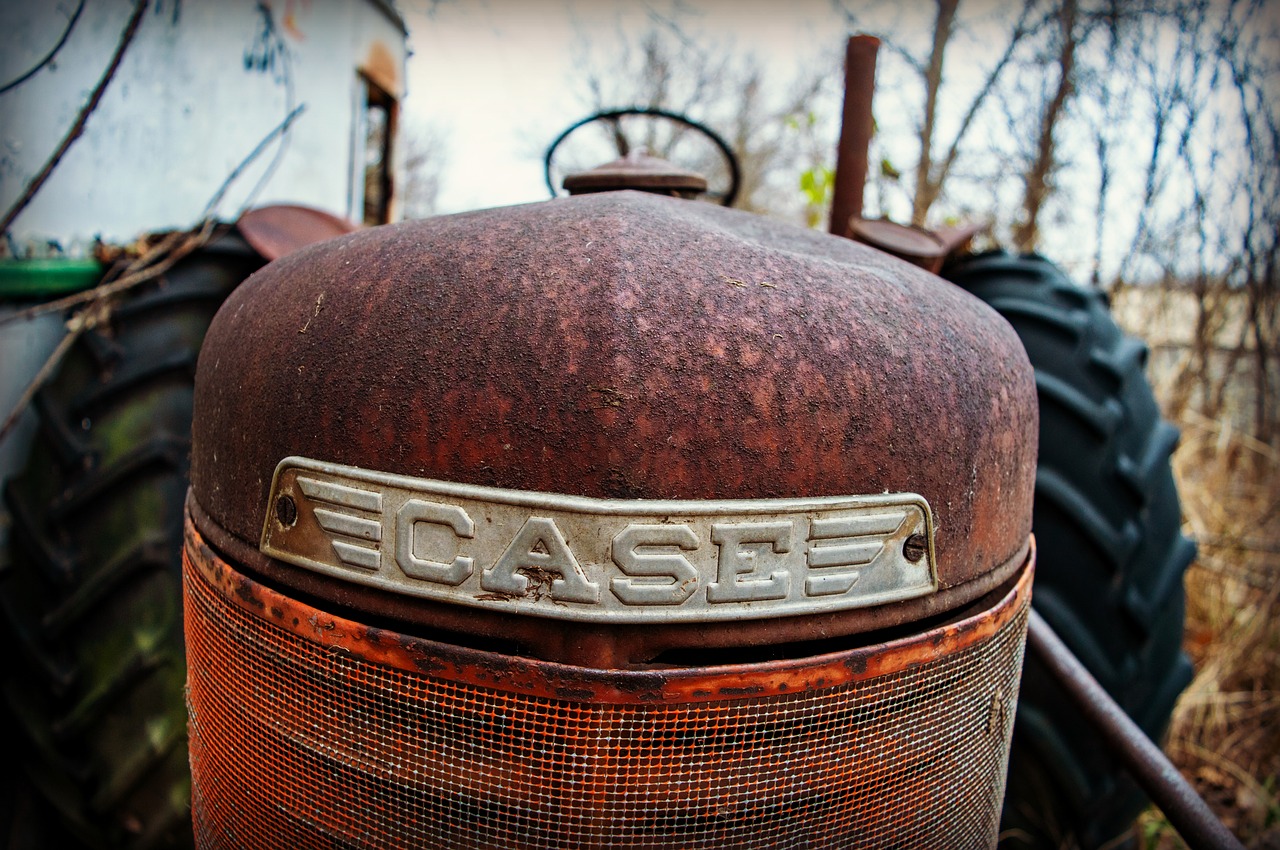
(926, 189)
(48, 57)
(1027, 233)
(77, 129)
(1020, 32)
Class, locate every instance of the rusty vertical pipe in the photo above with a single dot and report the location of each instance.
(1189, 814)
(855, 131)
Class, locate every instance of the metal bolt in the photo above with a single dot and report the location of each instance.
(914, 547)
(286, 511)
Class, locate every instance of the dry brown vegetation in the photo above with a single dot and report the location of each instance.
(1138, 144)
(1225, 731)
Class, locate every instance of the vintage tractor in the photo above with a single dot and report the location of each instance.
(630, 521)
(613, 521)
(626, 521)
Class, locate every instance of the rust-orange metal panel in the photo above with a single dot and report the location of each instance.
(623, 345)
(311, 730)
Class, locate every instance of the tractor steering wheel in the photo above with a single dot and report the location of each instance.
(717, 161)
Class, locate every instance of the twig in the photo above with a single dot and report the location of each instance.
(1250, 698)
(1222, 763)
(290, 100)
(78, 127)
(1259, 578)
(78, 324)
(99, 310)
(66, 33)
(1224, 541)
(157, 251)
(193, 241)
(1215, 427)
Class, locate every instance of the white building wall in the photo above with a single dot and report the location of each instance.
(183, 110)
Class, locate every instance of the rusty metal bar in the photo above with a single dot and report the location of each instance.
(855, 131)
(1189, 814)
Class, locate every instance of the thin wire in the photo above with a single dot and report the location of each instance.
(281, 129)
(13, 84)
(130, 30)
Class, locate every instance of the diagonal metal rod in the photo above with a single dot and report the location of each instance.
(1189, 814)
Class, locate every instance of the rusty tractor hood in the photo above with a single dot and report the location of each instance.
(629, 346)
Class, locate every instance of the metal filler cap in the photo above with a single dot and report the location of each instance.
(613, 424)
(637, 170)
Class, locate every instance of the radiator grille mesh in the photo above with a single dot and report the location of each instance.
(297, 744)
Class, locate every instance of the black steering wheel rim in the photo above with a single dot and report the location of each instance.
(735, 171)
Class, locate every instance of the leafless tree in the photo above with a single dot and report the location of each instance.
(1036, 184)
(779, 130)
(1153, 127)
(1250, 58)
(1208, 211)
(422, 171)
(940, 158)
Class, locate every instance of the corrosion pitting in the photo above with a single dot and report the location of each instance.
(637, 170)
(591, 346)
(592, 685)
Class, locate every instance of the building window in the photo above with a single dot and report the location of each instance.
(379, 130)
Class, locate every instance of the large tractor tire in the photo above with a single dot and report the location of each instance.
(1111, 555)
(91, 597)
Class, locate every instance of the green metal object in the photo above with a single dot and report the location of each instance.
(47, 278)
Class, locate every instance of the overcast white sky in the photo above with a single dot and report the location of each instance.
(501, 78)
(497, 75)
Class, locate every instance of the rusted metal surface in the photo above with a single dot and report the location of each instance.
(958, 238)
(928, 249)
(531, 677)
(913, 244)
(613, 117)
(612, 646)
(920, 247)
(284, 228)
(637, 170)
(1186, 811)
(309, 729)
(856, 128)
(625, 345)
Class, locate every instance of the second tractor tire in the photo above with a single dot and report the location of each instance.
(1111, 555)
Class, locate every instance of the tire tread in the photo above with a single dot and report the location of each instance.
(91, 594)
(1112, 555)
